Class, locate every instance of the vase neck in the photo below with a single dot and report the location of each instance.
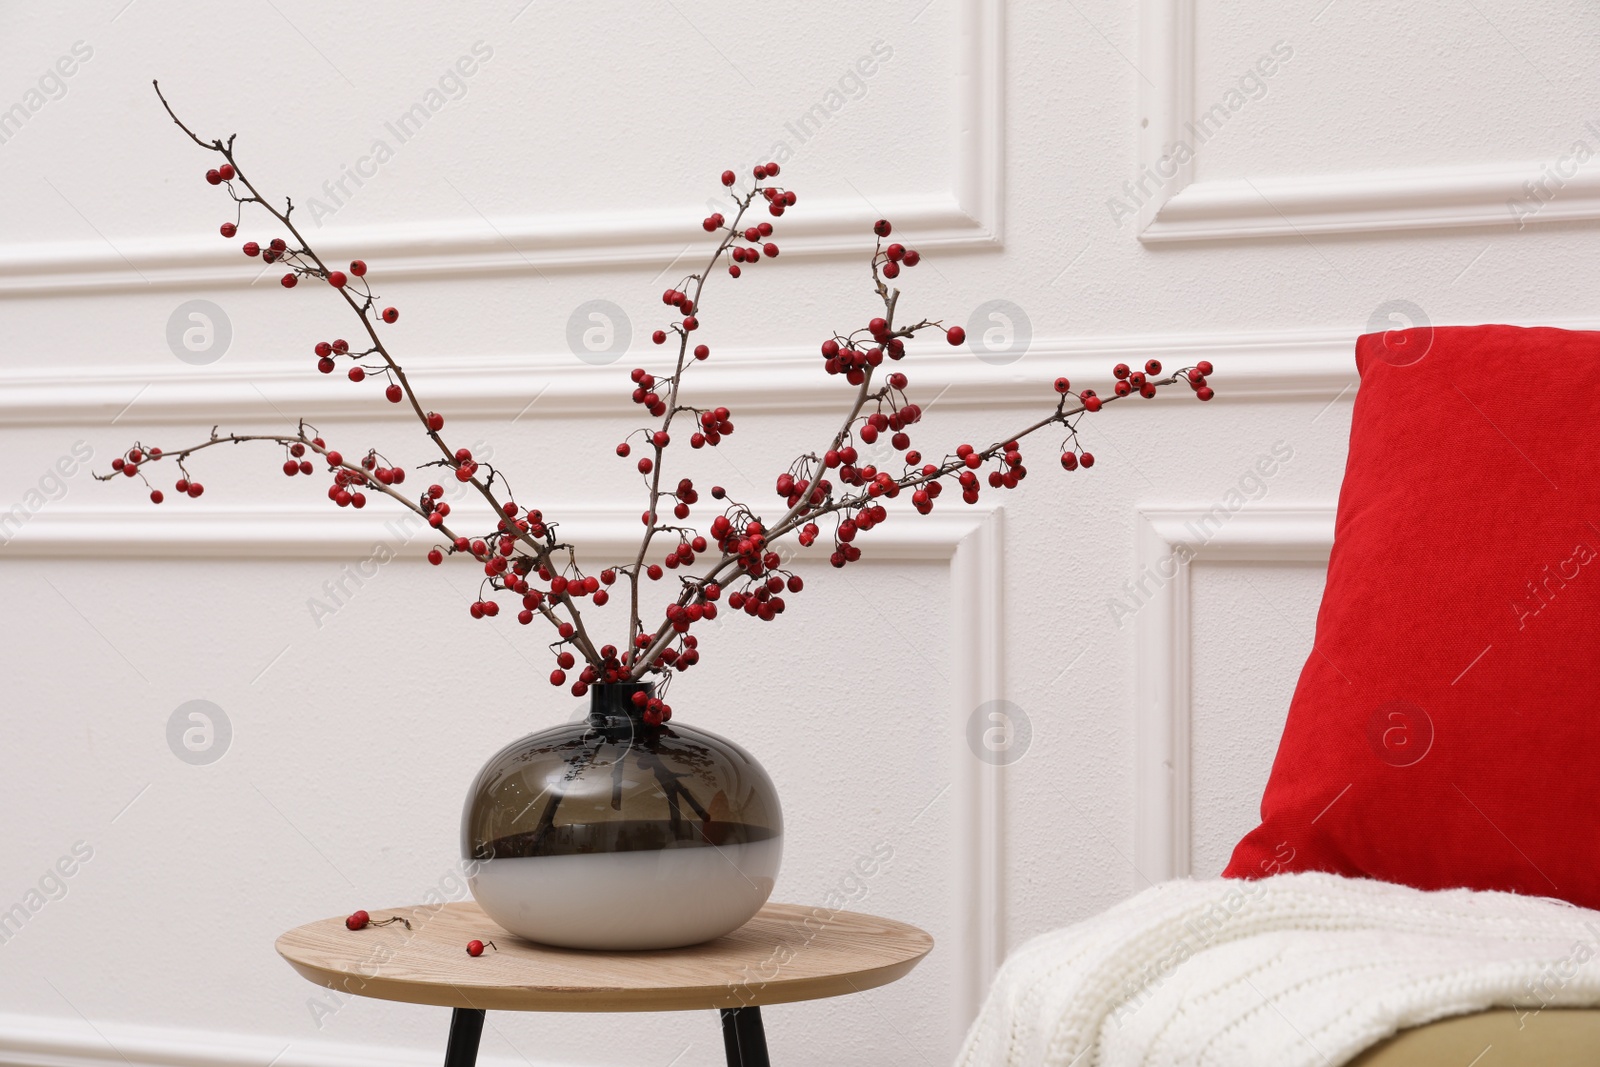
(613, 704)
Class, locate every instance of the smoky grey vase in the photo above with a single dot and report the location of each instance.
(612, 833)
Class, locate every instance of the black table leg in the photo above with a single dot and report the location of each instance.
(466, 1028)
(743, 1038)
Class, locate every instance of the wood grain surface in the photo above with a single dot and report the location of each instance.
(786, 953)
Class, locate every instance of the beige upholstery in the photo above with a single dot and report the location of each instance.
(1554, 1037)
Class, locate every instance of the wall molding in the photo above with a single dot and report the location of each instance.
(198, 529)
(965, 215)
(1295, 364)
(1368, 201)
(466, 247)
(1168, 539)
(970, 540)
(67, 1041)
(977, 665)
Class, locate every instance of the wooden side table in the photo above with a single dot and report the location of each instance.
(786, 953)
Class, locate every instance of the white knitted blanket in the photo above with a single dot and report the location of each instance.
(1298, 969)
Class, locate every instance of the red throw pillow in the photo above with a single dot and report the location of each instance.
(1446, 728)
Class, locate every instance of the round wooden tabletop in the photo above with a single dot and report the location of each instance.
(786, 953)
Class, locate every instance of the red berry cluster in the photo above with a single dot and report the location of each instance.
(778, 201)
(348, 482)
(128, 465)
(889, 259)
(847, 484)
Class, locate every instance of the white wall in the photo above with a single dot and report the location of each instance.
(1373, 165)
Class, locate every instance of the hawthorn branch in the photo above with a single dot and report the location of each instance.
(363, 312)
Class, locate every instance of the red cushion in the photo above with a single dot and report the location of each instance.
(1446, 728)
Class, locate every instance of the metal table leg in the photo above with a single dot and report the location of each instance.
(743, 1038)
(466, 1028)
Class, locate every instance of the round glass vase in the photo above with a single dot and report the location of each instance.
(611, 833)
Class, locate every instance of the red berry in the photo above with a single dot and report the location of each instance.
(733, 270)
(357, 374)
(1091, 404)
(475, 947)
(251, 248)
(891, 270)
(1069, 461)
(1204, 392)
(195, 489)
(728, 177)
(391, 315)
(913, 257)
(358, 267)
(394, 393)
(435, 423)
(229, 229)
(290, 281)
(1152, 366)
(337, 279)
(701, 351)
(156, 496)
(692, 323)
(1063, 386)
(772, 170)
(214, 177)
(1120, 370)
(1204, 367)
(1087, 459)
(226, 171)
(277, 244)
(623, 449)
(357, 920)
(770, 249)
(435, 557)
(881, 227)
(956, 335)
(659, 337)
